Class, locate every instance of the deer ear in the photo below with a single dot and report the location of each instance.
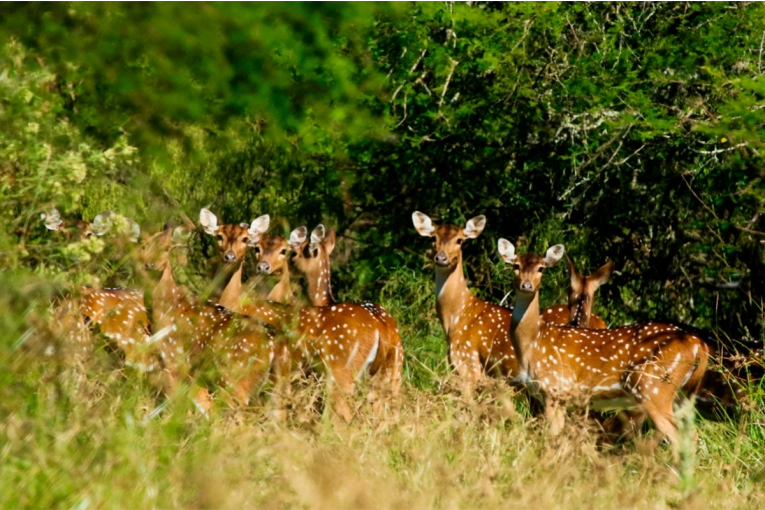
(102, 223)
(52, 219)
(258, 227)
(423, 224)
(298, 236)
(208, 221)
(603, 274)
(474, 227)
(135, 230)
(318, 234)
(329, 241)
(573, 273)
(506, 251)
(554, 254)
(180, 235)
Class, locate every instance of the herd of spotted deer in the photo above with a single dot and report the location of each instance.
(229, 348)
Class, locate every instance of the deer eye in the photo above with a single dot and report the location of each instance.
(541, 269)
(284, 251)
(257, 249)
(89, 234)
(516, 267)
(246, 240)
(220, 237)
(460, 241)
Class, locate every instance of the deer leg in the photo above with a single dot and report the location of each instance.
(556, 415)
(342, 381)
(281, 378)
(467, 365)
(624, 424)
(202, 399)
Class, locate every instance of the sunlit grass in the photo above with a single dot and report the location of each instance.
(80, 431)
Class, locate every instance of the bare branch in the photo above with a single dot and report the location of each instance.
(454, 63)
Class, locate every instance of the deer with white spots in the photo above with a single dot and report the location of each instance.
(645, 365)
(204, 342)
(276, 310)
(272, 254)
(119, 313)
(581, 296)
(477, 332)
(349, 338)
(101, 225)
(233, 240)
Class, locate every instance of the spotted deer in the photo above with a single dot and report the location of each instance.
(581, 295)
(101, 224)
(120, 314)
(233, 241)
(648, 364)
(349, 338)
(272, 254)
(477, 332)
(203, 342)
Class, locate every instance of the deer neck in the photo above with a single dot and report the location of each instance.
(452, 295)
(320, 284)
(233, 291)
(524, 330)
(165, 292)
(580, 314)
(282, 291)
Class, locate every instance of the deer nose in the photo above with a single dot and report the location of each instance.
(527, 286)
(264, 267)
(229, 256)
(441, 258)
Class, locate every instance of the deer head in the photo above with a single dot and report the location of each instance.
(233, 239)
(271, 254)
(529, 267)
(448, 238)
(581, 292)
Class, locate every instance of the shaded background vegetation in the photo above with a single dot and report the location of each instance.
(626, 131)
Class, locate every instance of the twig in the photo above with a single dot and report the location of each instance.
(454, 63)
(405, 112)
(422, 55)
(718, 151)
(526, 26)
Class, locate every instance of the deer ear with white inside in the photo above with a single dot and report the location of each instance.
(506, 250)
(423, 224)
(318, 234)
(554, 254)
(298, 236)
(52, 219)
(475, 226)
(258, 227)
(208, 221)
(102, 223)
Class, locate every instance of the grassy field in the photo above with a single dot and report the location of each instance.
(91, 434)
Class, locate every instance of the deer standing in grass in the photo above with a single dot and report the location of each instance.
(581, 297)
(119, 313)
(349, 338)
(649, 364)
(204, 343)
(477, 332)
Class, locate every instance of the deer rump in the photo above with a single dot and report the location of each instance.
(349, 338)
